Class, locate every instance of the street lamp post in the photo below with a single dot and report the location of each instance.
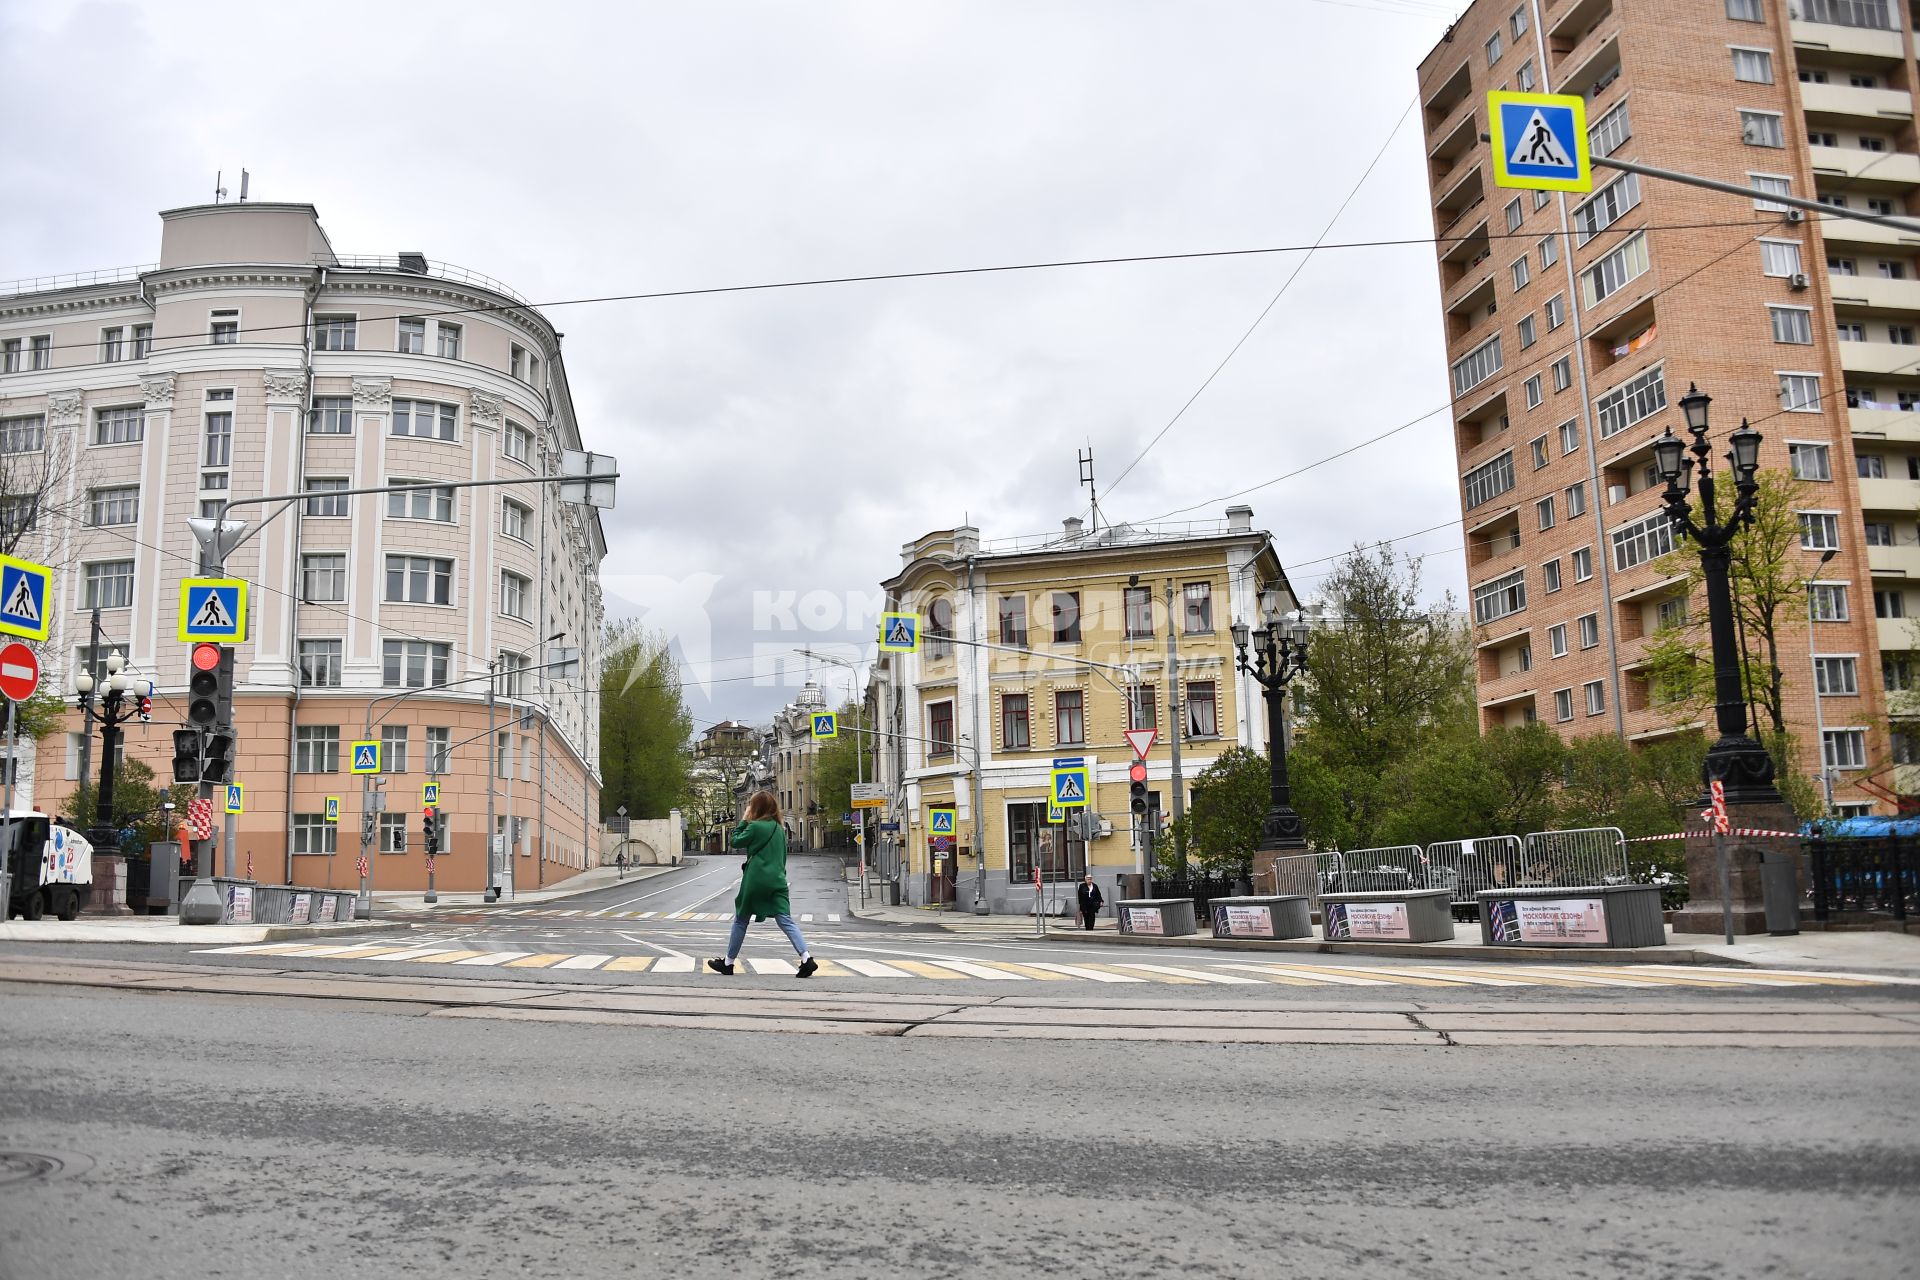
(1279, 656)
(118, 703)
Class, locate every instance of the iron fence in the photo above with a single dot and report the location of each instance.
(1864, 875)
(1588, 856)
(1387, 869)
(1468, 867)
(1202, 891)
(1303, 874)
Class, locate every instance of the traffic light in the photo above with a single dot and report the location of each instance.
(146, 709)
(430, 830)
(218, 764)
(203, 685)
(186, 755)
(1137, 788)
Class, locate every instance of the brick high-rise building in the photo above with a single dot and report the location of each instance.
(1576, 322)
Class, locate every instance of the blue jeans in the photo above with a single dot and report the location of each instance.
(787, 926)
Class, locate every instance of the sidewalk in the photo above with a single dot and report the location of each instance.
(586, 882)
(168, 931)
(963, 921)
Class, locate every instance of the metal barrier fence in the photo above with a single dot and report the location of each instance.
(1203, 892)
(1866, 875)
(1588, 856)
(1387, 869)
(1468, 867)
(1304, 874)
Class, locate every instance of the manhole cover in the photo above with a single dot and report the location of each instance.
(39, 1166)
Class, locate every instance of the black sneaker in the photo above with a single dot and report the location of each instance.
(807, 968)
(720, 966)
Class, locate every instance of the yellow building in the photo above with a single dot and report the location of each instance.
(1035, 650)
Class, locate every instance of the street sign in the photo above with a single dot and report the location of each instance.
(1142, 740)
(366, 757)
(847, 818)
(430, 793)
(213, 609)
(899, 633)
(859, 837)
(1056, 816)
(19, 672)
(869, 795)
(24, 588)
(1540, 141)
(1069, 788)
(236, 798)
(940, 821)
(886, 826)
(825, 725)
(333, 808)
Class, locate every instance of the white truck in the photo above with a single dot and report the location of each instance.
(50, 867)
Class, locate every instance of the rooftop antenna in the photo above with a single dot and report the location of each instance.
(219, 191)
(243, 186)
(1086, 478)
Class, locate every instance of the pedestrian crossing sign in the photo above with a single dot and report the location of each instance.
(213, 609)
(1056, 816)
(899, 633)
(333, 808)
(366, 757)
(430, 793)
(825, 725)
(23, 598)
(236, 798)
(1069, 788)
(1540, 141)
(940, 822)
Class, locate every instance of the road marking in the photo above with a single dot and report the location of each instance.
(807, 918)
(1198, 975)
(1336, 976)
(1076, 971)
(925, 970)
(1033, 972)
(629, 964)
(490, 958)
(251, 949)
(832, 919)
(542, 961)
(674, 887)
(673, 964)
(780, 967)
(446, 957)
(872, 968)
(586, 962)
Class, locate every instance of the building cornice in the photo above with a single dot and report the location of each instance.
(68, 302)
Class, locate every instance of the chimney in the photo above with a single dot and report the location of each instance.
(1240, 519)
(1072, 526)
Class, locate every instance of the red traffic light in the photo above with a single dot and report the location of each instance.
(1137, 772)
(427, 812)
(206, 657)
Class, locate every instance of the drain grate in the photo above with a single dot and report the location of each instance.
(17, 1167)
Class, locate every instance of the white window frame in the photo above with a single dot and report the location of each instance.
(1536, 394)
(1473, 368)
(1802, 317)
(92, 584)
(132, 415)
(1855, 737)
(1635, 400)
(1550, 575)
(1826, 521)
(1507, 594)
(1604, 207)
(1600, 134)
(406, 331)
(1580, 556)
(1800, 405)
(1641, 541)
(345, 322)
(1481, 485)
(516, 584)
(1833, 593)
(510, 511)
(1596, 699)
(1760, 201)
(1750, 117)
(1765, 57)
(1796, 449)
(1849, 663)
(328, 573)
(1589, 624)
(517, 442)
(1616, 269)
(1769, 247)
(433, 574)
(1563, 705)
(1522, 269)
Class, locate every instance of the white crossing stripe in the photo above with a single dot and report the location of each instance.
(310, 953)
(832, 919)
(1199, 974)
(583, 962)
(871, 968)
(249, 948)
(1073, 972)
(807, 918)
(1455, 976)
(563, 914)
(1340, 978)
(676, 964)
(978, 970)
(772, 966)
(418, 953)
(495, 957)
(644, 915)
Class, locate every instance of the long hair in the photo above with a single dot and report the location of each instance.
(763, 807)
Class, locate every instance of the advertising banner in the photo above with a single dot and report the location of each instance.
(1362, 920)
(1242, 922)
(1144, 920)
(329, 907)
(240, 904)
(1582, 920)
(302, 908)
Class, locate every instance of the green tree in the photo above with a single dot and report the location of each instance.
(645, 728)
(1463, 784)
(136, 799)
(839, 764)
(1222, 827)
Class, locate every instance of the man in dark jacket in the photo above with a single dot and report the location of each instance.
(1090, 901)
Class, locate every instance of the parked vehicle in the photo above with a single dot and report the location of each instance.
(51, 867)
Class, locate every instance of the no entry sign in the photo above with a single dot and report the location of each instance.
(19, 672)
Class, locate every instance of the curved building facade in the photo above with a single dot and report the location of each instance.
(251, 361)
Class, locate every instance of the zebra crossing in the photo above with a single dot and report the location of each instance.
(958, 969)
(536, 913)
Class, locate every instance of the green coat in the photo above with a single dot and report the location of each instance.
(763, 877)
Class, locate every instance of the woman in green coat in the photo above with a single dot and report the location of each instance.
(763, 883)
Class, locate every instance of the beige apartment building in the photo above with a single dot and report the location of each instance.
(254, 360)
(1575, 323)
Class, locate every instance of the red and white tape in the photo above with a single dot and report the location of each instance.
(1700, 835)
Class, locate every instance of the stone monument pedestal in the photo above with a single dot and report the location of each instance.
(1702, 913)
(109, 895)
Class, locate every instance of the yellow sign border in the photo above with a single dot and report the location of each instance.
(353, 756)
(1582, 149)
(833, 721)
(896, 648)
(233, 788)
(331, 808)
(239, 633)
(1053, 787)
(46, 600)
(435, 801)
(954, 830)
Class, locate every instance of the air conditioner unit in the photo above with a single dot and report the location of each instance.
(1616, 493)
(1795, 215)
(1798, 280)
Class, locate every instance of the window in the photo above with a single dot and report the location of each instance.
(41, 351)
(1066, 617)
(1890, 603)
(1843, 266)
(1792, 324)
(1203, 712)
(217, 450)
(1582, 564)
(1753, 66)
(1013, 621)
(939, 632)
(412, 337)
(332, 416)
(1844, 748)
(1615, 271)
(1538, 449)
(1606, 207)
(1780, 258)
(10, 361)
(312, 833)
(1800, 392)
(423, 419)
(393, 748)
(24, 434)
(1744, 10)
(1670, 612)
(1549, 251)
(393, 832)
(1646, 539)
(1577, 499)
(1015, 731)
(1475, 367)
(1142, 707)
(449, 338)
(1563, 373)
(1550, 575)
(1589, 624)
(1069, 717)
(1900, 335)
(1521, 274)
(334, 333)
(118, 505)
(1610, 132)
(142, 341)
(1899, 672)
(516, 595)
(320, 664)
(1529, 332)
(113, 344)
(517, 361)
(1596, 697)
(1197, 608)
(316, 748)
(1517, 22)
(327, 506)
(323, 578)
(109, 585)
(1563, 705)
(1486, 482)
(1762, 129)
(1809, 462)
(1819, 531)
(1772, 184)
(1540, 199)
(1836, 677)
(1885, 209)
(1534, 392)
(1632, 401)
(419, 580)
(1891, 270)
(940, 729)
(518, 442)
(1523, 78)
(1569, 436)
(18, 513)
(1501, 598)
(1871, 142)
(513, 668)
(1870, 466)
(515, 518)
(1493, 48)
(1139, 612)
(1054, 852)
(427, 502)
(1514, 214)
(225, 327)
(1819, 139)
(1850, 332)
(439, 749)
(414, 664)
(1829, 601)
(121, 424)
(1543, 511)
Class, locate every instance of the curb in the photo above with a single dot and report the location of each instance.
(544, 895)
(187, 935)
(1429, 950)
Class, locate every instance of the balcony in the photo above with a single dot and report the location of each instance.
(1901, 495)
(1897, 635)
(1458, 141)
(1577, 19)
(1883, 358)
(1598, 61)
(1885, 424)
(1875, 293)
(1469, 303)
(1875, 169)
(1844, 104)
(1901, 561)
(1851, 42)
(1469, 191)
(1453, 91)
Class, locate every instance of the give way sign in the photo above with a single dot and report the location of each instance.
(19, 672)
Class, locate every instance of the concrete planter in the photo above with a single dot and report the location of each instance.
(1391, 915)
(1272, 916)
(1613, 915)
(1157, 917)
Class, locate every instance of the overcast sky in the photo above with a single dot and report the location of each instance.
(782, 443)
